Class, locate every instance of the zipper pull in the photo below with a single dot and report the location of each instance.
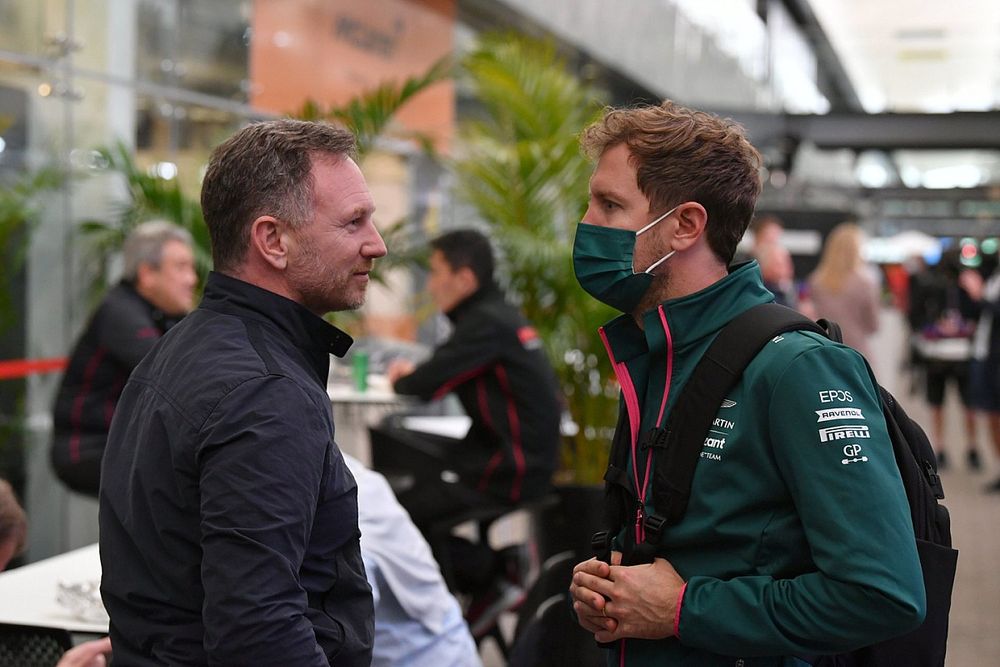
(639, 531)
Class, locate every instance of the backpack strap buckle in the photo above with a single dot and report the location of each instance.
(653, 525)
(655, 438)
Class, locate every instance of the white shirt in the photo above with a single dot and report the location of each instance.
(418, 623)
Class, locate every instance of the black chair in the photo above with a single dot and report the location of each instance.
(553, 579)
(547, 634)
(552, 638)
(29, 646)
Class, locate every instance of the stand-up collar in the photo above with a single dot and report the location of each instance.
(486, 293)
(694, 316)
(225, 294)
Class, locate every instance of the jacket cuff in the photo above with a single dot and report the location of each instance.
(677, 614)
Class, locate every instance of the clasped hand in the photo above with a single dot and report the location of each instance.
(616, 602)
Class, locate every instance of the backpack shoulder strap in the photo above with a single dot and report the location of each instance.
(716, 374)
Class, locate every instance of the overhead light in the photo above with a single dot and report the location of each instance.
(872, 175)
(910, 176)
(954, 176)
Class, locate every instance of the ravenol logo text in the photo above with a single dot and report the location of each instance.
(839, 413)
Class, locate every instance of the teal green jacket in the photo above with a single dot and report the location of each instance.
(797, 538)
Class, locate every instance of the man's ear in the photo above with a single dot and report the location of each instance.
(691, 220)
(269, 241)
(468, 280)
(144, 276)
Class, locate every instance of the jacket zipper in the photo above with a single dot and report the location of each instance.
(634, 418)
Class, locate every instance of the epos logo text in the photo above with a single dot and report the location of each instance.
(839, 395)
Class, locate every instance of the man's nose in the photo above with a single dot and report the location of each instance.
(375, 247)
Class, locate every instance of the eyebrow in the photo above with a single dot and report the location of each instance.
(359, 211)
(605, 193)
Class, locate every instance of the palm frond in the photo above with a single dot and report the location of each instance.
(370, 114)
(521, 168)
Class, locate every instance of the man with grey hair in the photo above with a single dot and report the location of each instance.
(156, 290)
(229, 520)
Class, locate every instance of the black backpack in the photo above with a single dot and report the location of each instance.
(715, 375)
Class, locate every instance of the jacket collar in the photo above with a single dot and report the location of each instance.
(161, 320)
(482, 294)
(692, 317)
(225, 294)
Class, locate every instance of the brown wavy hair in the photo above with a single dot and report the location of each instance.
(682, 155)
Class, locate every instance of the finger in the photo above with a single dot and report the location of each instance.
(593, 586)
(589, 598)
(594, 567)
(616, 557)
(593, 622)
(611, 633)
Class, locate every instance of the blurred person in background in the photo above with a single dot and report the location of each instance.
(842, 288)
(418, 622)
(985, 368)
(778, 273)
(156, 290)
(13, 525)
(495, 363)
(942, 319)
(92, 653)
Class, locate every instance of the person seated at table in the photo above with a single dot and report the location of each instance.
(87, 654)
(418, 623)
(156, 290)
(495, 363)
(13, 525)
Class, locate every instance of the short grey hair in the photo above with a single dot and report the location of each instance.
(144, 245)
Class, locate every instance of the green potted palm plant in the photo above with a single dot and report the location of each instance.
(19, 202)
(521, 168)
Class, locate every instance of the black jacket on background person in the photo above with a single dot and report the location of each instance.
(122, 330)
(495, 364)
(228, 518)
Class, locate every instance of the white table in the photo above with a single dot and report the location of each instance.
(451, 426)
(28, 594)
(354, 411)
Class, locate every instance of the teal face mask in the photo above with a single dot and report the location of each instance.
(603, 262)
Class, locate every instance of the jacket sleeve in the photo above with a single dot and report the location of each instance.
(261, 462)
(839, 469)
(472, 348)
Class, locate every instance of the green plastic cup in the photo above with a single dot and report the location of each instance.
(359, 364)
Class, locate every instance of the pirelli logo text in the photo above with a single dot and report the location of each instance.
(854, 431)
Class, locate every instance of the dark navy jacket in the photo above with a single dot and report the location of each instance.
(229, 532)
(495, 364)
(122, 330)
